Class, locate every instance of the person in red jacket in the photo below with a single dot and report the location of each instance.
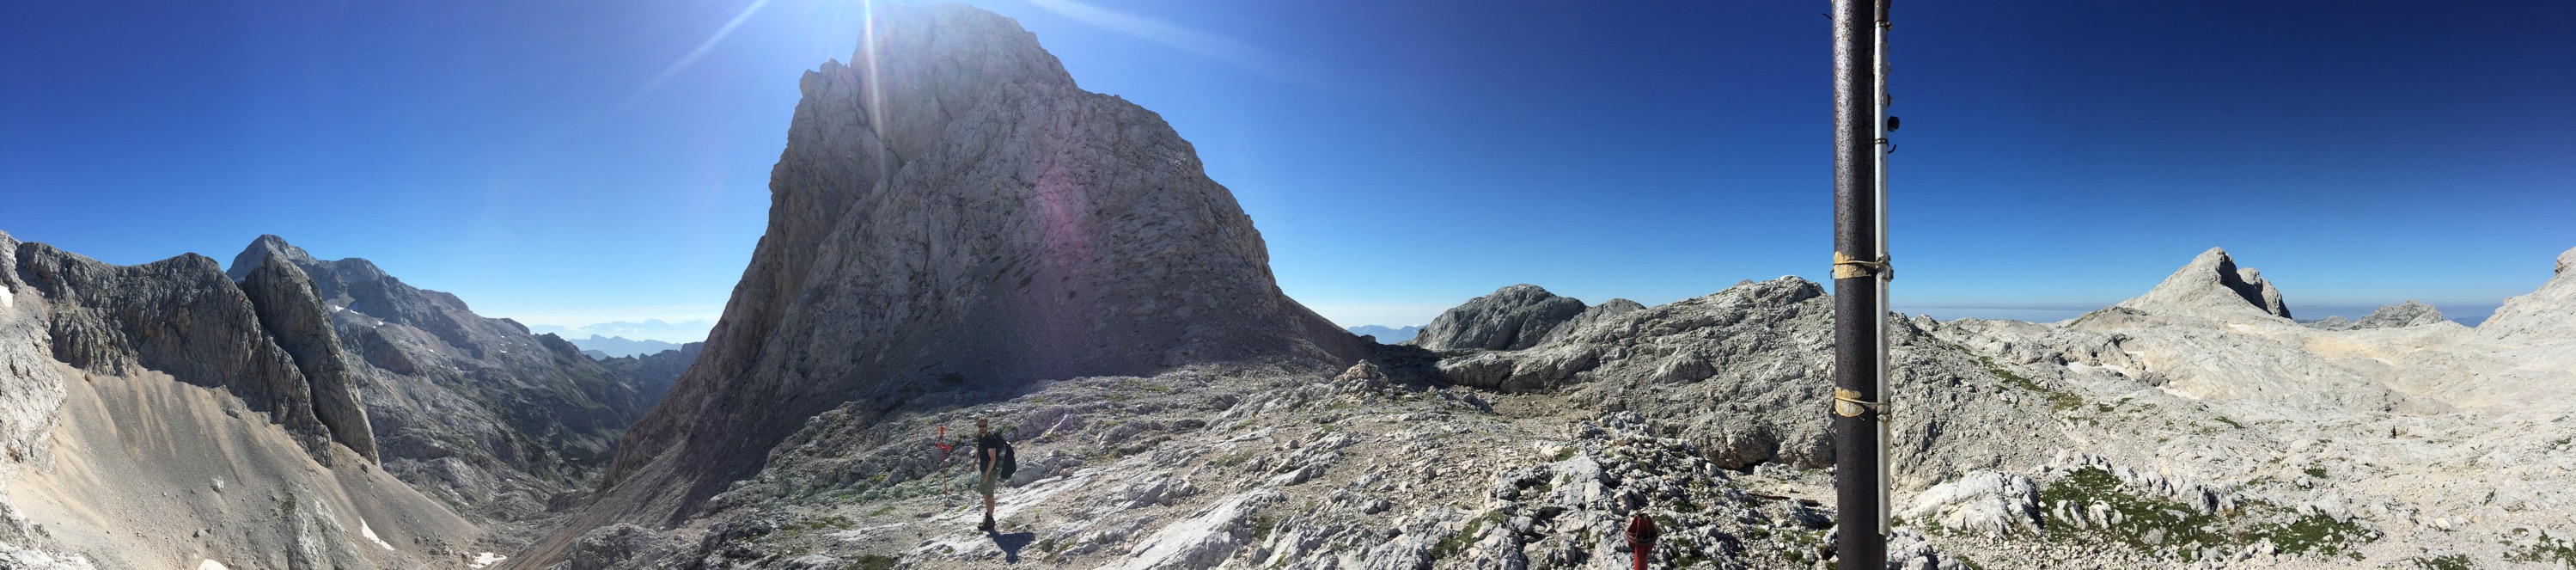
(1641, 537)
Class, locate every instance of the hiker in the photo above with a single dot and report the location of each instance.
(1641, 537)
(990, 453)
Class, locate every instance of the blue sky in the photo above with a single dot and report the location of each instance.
(582, 162)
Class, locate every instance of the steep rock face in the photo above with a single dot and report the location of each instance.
(30, 388)
(1510, 318)
(2547, 313)
(473, 410)
(2211, 285)
(182, 317)
(293, 314)
(955, 214)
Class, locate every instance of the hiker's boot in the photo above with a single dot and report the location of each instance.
(988, 524)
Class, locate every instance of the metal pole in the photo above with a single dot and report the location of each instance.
(1879, 313)
(1859, 491)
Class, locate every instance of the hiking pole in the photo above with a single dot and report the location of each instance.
(1860, 263)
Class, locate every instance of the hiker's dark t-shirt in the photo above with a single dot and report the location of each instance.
(985, 446)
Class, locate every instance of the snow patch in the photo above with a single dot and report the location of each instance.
(486, 559)
(210, 565)
(7, 299)
(370, 533)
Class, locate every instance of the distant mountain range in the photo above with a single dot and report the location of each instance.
(672, 334)
(1387, 335)
(602, 347)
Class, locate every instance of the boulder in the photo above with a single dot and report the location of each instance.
(1990, 502)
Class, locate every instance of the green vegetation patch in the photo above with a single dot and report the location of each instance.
(873, 562)
(1457, 543)
(2144, 523)
(2062, 400)
(2452, 562)
(2547, 549)
(2152, 524)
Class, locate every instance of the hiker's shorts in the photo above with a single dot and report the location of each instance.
(984, 484)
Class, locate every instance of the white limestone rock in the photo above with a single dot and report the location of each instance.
(1990, 502)
(2211, 285)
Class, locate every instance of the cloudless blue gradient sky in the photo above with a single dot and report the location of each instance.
(578, 162)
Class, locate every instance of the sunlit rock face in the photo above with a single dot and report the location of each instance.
(2212, 286)
(953, 215)
(2548, 313)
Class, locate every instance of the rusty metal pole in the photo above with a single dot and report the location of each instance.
(1859, 267)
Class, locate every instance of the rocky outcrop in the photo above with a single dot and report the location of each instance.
(2211, 285)
(1592, 315)
(182, 317)
(30, 387)
(955, 216)
(293, 314)
(2408, 314)
(1983, 501)
(2548, 313)
(1510, 318)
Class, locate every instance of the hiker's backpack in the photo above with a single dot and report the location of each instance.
(1009, 464)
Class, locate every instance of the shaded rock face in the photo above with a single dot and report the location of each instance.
(2547, 313)
(2408, 314)
(1511, 318)
(182, 317)
(472, 410)
(293, 314)
(2212, 285)
(955, 214)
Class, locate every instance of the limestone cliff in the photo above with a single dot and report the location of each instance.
(953, 215)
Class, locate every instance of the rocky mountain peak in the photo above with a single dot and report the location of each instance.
(266, 246)
(1510, 318)
(953, 218)
(2212, 285)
